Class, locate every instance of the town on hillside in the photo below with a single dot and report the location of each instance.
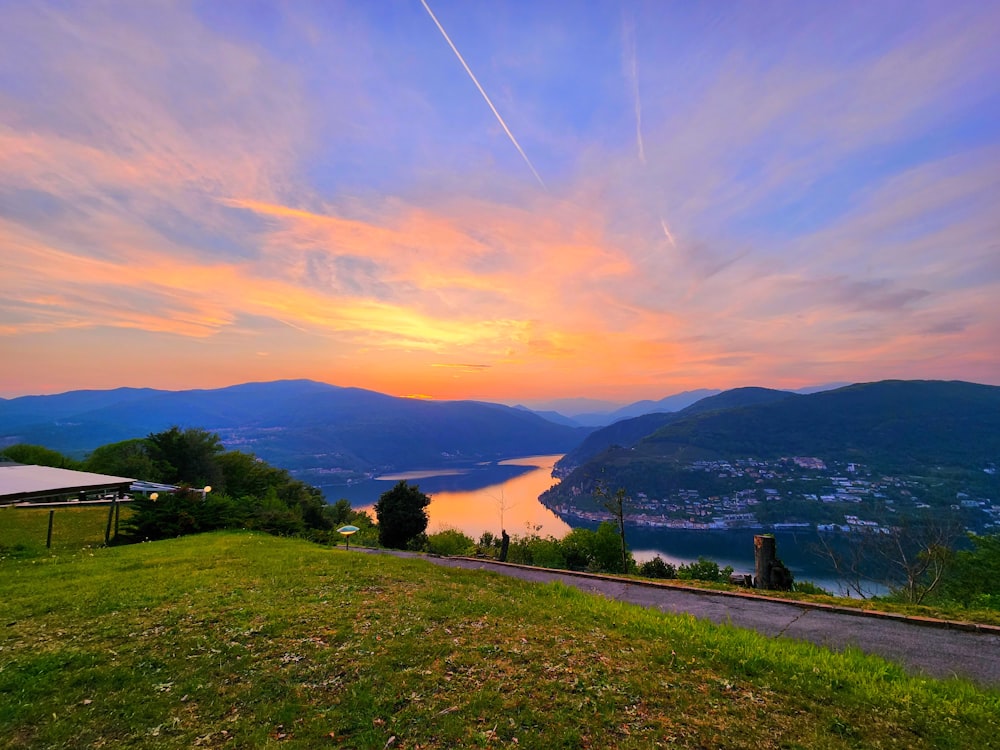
(800, 492)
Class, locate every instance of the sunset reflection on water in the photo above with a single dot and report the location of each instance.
(475, 511)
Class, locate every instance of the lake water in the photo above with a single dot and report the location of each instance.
(472, 500)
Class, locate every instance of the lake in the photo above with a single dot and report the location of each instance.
(473, 499)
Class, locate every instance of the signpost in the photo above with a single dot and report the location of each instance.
(347, 531)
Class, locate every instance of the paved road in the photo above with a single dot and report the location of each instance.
(921, 648)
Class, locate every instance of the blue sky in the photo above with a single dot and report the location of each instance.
(636, 199)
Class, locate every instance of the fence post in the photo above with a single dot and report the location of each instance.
(107, 531)
(48, 538)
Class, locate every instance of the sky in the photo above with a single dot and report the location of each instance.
(506, 201)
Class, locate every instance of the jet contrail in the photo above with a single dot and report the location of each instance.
(629, 40)
(666, 231)
(481, 91)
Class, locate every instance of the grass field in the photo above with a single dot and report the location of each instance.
(245, 640)
(23, 531)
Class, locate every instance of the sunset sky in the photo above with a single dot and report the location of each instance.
(508, 201)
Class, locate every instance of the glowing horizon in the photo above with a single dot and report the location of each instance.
(733, 196)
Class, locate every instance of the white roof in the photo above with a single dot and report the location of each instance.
(19, 480)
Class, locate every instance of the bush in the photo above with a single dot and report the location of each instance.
(704, 570)
(449, 543)
(656, 568)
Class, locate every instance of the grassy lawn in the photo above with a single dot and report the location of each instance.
(245, 640)
(23, 531)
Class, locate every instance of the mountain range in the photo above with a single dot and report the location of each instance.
(322, 432)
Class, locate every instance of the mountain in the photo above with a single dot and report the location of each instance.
(942, 430)
(320, 431)
(628, 432)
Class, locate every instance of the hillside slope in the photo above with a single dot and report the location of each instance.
(924, 428)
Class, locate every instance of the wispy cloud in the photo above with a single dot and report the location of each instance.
(779, 207)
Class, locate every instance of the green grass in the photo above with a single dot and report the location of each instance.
(23, 531)
(244, 640)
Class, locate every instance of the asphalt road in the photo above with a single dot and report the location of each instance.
(930, 648)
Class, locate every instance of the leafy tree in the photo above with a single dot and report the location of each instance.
(402, 515)
(615, 505)
(129, 458)
(974, 580)
(596, 551)
(189, 456)
(38, 455)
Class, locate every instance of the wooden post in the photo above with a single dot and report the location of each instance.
(117, 513)
(48, 538)
(107, 531)
(764, 554)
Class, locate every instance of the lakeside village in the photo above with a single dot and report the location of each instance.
(791, 493)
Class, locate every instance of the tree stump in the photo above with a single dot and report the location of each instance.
(764, 555)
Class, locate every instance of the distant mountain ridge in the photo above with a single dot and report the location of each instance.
(628, 432)
(921, 428)
(323, 432)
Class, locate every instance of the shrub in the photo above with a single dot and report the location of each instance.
(704, 570)
(656, 568)
(449, 543)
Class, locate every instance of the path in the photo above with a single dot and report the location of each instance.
(930, 647)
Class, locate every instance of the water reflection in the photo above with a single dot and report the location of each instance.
(472, 499)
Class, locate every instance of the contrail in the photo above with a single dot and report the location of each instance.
(666, 231)
(481, 91)
(629, 34)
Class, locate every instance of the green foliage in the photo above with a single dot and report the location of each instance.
(401, 514)
(808, 587)
(38, 455)
(129, 458)
(704, 570)
(188, 456)
(179, 513)
(246, 491)
(657, 568)
(450, 542)
(581, 549)
(974, 578)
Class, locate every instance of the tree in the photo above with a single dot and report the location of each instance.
(401, 514)
(615, 505)
(129, 458)
(189, 456)
(974, 580)
(38, 455)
